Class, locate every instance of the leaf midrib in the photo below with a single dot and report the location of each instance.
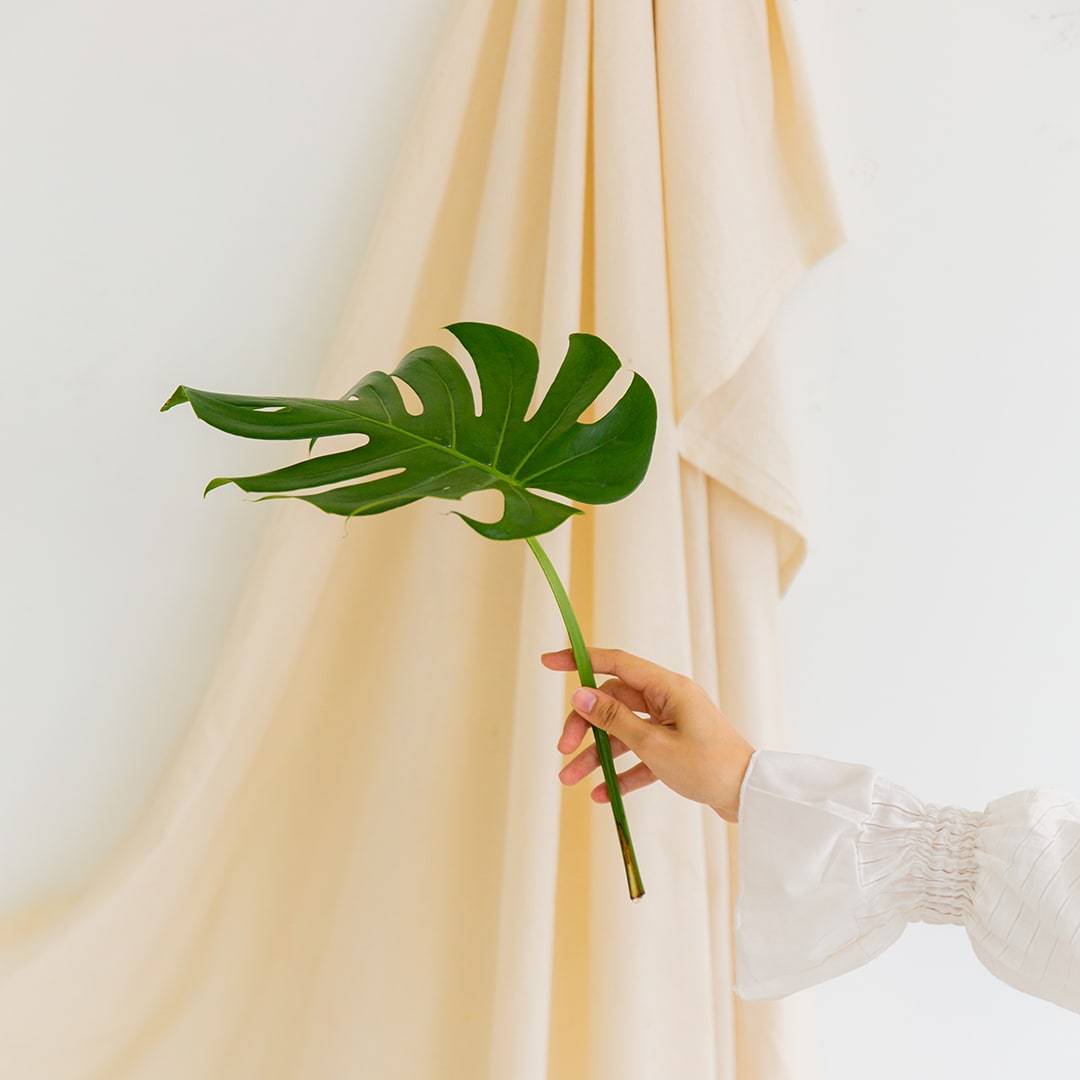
(451, 450)
(551, 427)
(510, 479)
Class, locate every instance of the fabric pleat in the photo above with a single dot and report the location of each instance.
(361, 864)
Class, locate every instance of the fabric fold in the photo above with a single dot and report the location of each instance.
(362, 864)
(748, 210)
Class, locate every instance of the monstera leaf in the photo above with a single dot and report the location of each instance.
(448, 450)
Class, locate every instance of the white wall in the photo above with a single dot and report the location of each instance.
(935, 630)
(186, 190)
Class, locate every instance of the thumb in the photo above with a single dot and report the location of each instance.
(604, 712)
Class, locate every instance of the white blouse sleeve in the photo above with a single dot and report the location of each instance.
(836, 860)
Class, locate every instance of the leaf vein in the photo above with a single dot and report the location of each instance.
(450, 400)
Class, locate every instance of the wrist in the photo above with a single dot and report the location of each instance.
(727, 806)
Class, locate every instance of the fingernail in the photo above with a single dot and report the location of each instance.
(583, 700)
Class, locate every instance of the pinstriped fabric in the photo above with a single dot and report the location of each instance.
(860, 857)
(1025, 919)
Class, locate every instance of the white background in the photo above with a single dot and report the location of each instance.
(186, 191)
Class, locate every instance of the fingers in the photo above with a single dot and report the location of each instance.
(638, 777)
(572, 733)
(611, 715)
(576, 770)
(624, 692)
(561, 660)
(631, 669)
(576, 725)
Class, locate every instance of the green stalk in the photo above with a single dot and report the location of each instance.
(603, 744)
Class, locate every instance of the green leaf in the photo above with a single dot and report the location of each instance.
(446, 450)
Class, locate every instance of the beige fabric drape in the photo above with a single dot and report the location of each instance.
(362, 865)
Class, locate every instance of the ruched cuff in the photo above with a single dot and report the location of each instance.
(836, 860)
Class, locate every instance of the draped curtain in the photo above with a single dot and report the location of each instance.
(361, 864)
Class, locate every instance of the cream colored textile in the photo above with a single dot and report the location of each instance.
(362, 865)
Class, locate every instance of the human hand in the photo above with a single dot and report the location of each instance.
(686, 742)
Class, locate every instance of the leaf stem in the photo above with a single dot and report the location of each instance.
(603, 744)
